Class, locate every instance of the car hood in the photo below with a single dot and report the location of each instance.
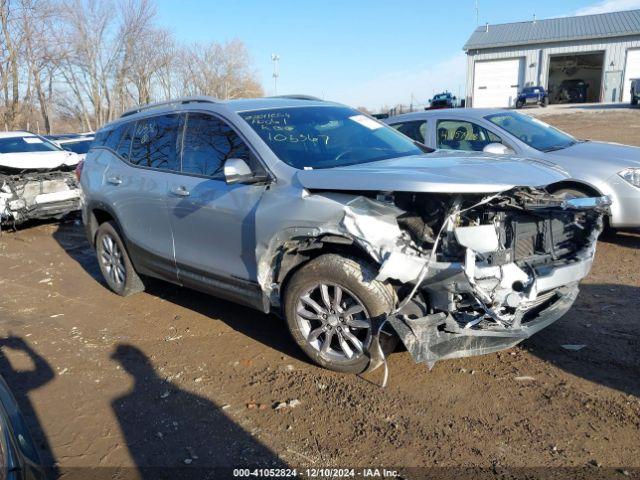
(38, 160)
(441, 171)
(613, 154)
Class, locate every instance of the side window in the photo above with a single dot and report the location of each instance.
(208, 142)
(415, 130)
(122, 140)
(109, 138)
(155, 142)
(462, 135)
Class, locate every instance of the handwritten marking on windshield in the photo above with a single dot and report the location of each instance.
(298, 138)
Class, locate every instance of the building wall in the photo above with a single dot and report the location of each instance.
(536, 70)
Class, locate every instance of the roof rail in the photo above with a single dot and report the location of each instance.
(299, 97)
(167, 103)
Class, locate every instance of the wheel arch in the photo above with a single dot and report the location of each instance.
(296, 253)
(575, 185)
(98, 214)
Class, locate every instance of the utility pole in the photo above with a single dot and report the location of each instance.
(275, 58)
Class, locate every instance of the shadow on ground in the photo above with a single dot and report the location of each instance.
(173, 433)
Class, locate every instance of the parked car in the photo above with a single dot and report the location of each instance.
(313, 210)
(36, 178)
(442, 100)
(594, 168)
(77, 143)
(572, 91)
(19, 459)
(532, 96)
(635, 91)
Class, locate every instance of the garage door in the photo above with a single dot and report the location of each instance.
(631, 70)
(495, 83)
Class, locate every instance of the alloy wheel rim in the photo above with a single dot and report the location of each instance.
(112, 260)
(334, 322)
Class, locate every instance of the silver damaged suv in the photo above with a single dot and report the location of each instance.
(358, 236)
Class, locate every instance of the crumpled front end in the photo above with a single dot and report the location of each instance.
(485, 273)
(37, 195)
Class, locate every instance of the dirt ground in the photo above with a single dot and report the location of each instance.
(173, 378)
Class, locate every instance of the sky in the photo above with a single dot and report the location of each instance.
(370, 53)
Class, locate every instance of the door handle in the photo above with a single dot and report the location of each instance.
(180, 191)
(114, 180)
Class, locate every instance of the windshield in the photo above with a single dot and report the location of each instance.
(441, 96)
(327, 136)
(31, 143)
(80, 147)
(531, 131)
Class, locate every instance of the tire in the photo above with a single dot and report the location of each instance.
(519, 104)
(115, 264)
(545, 102)
(634, 101)
(356, 281)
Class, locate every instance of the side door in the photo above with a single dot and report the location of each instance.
(214, 223)
(149, 154)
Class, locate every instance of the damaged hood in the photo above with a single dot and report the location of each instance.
(24, 161)
(438, 172)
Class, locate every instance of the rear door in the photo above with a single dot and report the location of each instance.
(213, 223)
(414, 129)
(138, 192)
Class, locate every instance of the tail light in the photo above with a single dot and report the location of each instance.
(78, 169)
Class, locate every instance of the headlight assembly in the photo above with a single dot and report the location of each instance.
(631, 175)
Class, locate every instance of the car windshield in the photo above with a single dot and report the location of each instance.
(531, 131)
(80, 147)
(327, 136)
(441, 96)
(30, 143)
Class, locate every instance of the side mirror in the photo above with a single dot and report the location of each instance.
(236, 170)
(497, 149)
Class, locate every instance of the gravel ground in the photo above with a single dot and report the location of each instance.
(173, 378)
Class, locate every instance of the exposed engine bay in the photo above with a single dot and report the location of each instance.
(487, 271)
(37, 194)
(474, 273)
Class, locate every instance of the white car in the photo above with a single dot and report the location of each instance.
(79, 143)
(37, 178)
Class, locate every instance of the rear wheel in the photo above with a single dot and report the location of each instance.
(115, 265)
(328, 307)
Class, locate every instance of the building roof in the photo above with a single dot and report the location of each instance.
(603, 25)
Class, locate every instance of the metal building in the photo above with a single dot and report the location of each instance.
(598, 53)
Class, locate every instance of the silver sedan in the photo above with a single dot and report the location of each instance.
(595, 168)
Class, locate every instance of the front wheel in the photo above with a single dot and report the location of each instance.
(519, 104)
(329, 304)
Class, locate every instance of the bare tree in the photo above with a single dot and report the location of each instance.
(83, 62)
(221, 70)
